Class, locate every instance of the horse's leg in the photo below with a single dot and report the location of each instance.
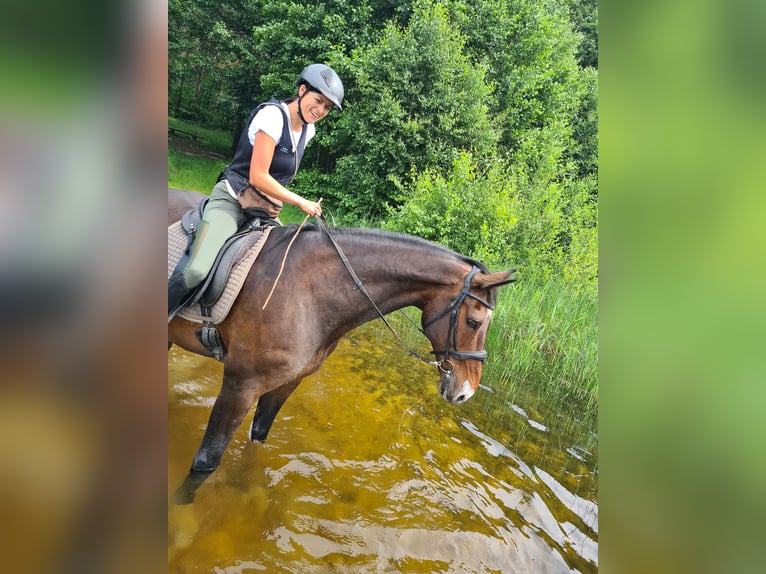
(268, 407)
(231, 406)
(270, 403)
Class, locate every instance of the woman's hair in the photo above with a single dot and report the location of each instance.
(294, 97)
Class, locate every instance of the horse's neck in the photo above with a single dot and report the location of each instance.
(399, 274)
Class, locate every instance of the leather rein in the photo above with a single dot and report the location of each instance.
(453, 308)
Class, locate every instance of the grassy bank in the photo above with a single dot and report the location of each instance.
(214, 141)
(197, 173)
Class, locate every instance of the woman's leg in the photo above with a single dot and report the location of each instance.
(221, 219)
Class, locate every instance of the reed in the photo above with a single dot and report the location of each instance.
(544, 340)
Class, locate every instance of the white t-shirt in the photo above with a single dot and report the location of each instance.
(270, 121)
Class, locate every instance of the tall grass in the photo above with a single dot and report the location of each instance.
(544, 339)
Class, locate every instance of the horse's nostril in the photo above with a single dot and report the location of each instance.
(460, 399)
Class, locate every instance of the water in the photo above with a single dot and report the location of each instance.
(367, 470)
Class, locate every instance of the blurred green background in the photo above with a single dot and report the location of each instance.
(682, 311)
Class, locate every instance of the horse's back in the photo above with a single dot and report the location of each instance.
(180, 201)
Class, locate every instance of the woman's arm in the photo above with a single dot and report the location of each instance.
(263, 153)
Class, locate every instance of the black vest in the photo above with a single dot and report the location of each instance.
(284, 164)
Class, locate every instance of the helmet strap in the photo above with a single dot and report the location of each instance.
(300, 99)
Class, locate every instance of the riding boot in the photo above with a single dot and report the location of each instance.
(177, 293)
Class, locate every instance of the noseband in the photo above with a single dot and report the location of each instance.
(453, 308)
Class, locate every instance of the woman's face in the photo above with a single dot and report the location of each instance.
(314, 105)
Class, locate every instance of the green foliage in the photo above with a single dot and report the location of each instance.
(584, 148)
(555, 209)
(581, 265)
(207, 45)
(526, 212)
(529, 50)
(470, 122)
(584, 15)
(417, 102)
(418, 92)
(471, 212)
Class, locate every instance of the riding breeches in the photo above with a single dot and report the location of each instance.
(222, 218)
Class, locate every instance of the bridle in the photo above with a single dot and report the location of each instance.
(453, 308)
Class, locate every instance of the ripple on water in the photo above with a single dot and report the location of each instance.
(376, 548)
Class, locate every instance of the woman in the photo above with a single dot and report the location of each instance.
(267, 157)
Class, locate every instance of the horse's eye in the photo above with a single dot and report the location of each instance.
(473, 324)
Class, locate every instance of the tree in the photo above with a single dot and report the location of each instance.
(529, 50)
(470, 210)
(415, 102)
(208, 42)
(584, 149)
(584, 15)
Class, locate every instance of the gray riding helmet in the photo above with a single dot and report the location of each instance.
(323, 79)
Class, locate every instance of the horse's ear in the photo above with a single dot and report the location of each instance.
(496, 279)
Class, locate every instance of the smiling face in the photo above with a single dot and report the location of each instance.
(314, 105)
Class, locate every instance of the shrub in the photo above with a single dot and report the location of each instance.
(470, 211)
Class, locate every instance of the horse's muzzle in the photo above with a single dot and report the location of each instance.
(452, 391)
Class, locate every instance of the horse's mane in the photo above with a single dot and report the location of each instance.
(361, 234)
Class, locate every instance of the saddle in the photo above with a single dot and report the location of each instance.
(204, 304)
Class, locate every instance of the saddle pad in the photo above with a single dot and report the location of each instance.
(177, 242)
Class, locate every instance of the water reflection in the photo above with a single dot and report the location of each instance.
(367, 469)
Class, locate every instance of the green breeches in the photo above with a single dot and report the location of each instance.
(223, 216)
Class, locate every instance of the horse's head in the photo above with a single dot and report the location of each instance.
(458, 329)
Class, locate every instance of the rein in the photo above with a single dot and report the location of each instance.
(284, 258)
(444, 365)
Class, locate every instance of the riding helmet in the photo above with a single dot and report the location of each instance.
(323, 79)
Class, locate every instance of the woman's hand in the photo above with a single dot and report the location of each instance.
(310, 207)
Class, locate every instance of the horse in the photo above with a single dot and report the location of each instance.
(331, 282)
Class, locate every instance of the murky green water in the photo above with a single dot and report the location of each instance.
(367, 469)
